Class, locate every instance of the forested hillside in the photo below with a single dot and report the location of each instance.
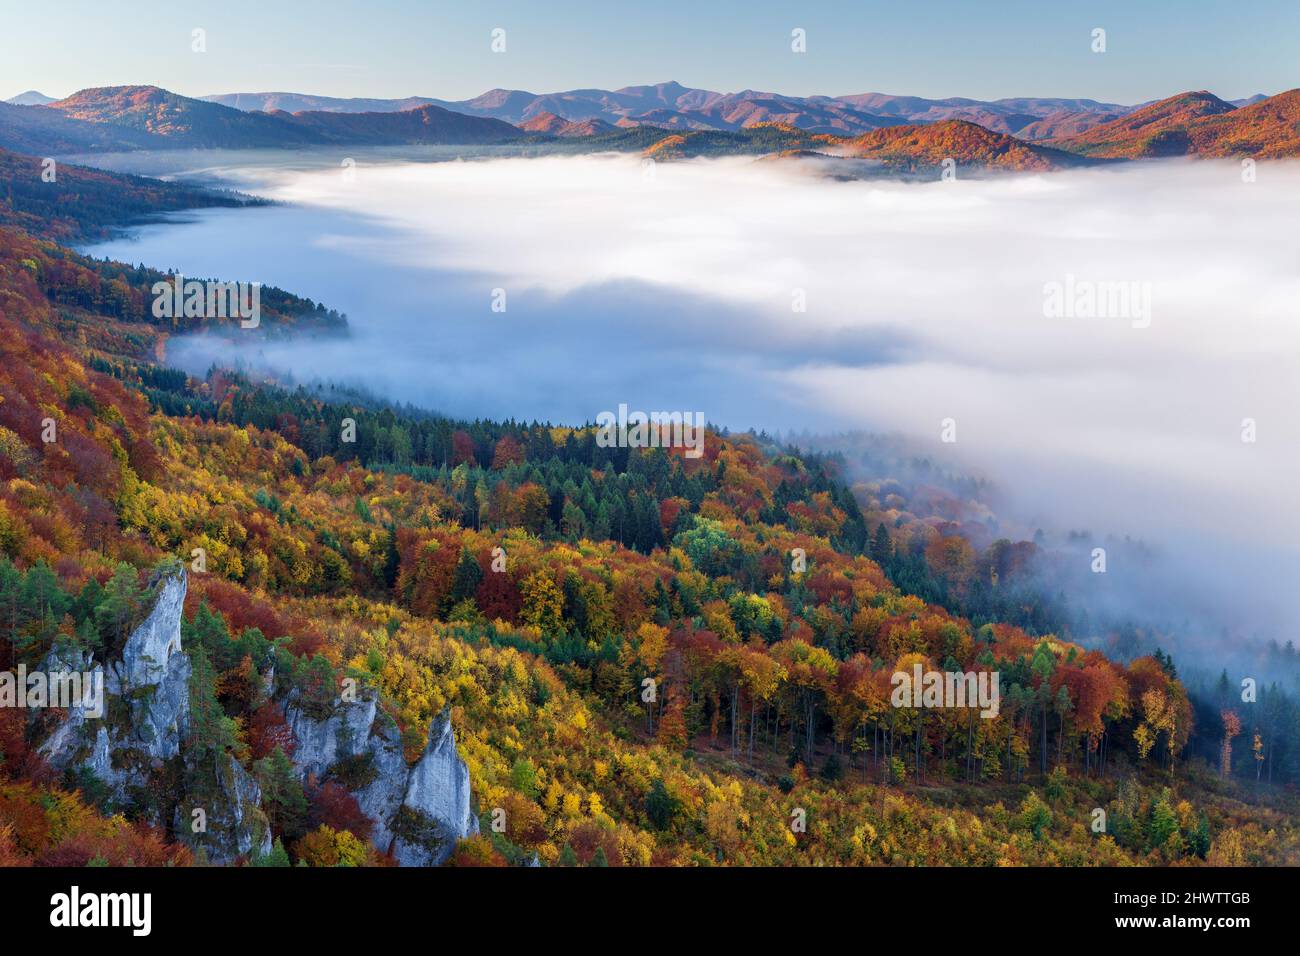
(648, 658)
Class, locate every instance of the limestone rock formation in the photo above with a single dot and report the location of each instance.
(147, 706)
(418, 812)
(142, 730)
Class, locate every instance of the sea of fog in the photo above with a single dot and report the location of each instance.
(764, 294)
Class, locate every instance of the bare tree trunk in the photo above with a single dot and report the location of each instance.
(970, 741)
(810, 710)
(753, 716)
(920, 720)
(735, 712)
(1042, 750)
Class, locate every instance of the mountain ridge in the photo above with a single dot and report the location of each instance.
(149, 117)
(674, 105)
(1197, 123)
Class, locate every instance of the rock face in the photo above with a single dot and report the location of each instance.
(418, 812)
(154, 676)
(363, 737)
(436, 811)
(150, 683)
(233, 822)
(149, 650)
(147, 712)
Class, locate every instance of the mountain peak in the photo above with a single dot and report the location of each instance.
(30, 98)
(549, 124)
(1197, 123)
(1156, 129)
(966, 143)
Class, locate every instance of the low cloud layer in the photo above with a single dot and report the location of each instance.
(673, 288)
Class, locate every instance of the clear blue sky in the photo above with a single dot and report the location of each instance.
(978, 48)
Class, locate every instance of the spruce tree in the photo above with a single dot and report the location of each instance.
(282, 795)
(119, 607)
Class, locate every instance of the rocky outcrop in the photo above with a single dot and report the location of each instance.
(142, 730)
(418, 812)
(147, 705)
(230, 822)
(154, 676)
(148, 653)
(436, 810)
(361, 745)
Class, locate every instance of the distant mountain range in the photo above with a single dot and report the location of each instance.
(674, 106)
(670, 120)
(306, 103)
(185, 122)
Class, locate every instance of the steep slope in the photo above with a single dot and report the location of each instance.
(418, 812)
(1266, 129)
(40, 131)
(82, 203)
(1063, 123)
(178, 121)
(1198, 124)
(148, 701)
(769, 680)
(1158, 129)
(107, 306)
(926, 147)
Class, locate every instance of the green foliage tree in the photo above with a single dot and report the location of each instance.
(283, 798)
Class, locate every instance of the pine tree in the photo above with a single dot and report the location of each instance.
(277, 856)
(120, 606)
(209, 630)
(282, 795)
(11, 596)
(881, 549)
(211, 732)
(392, 559)
(466, 579)
(320, 688)
(43, 605)
(91, 594)
(88, 636)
